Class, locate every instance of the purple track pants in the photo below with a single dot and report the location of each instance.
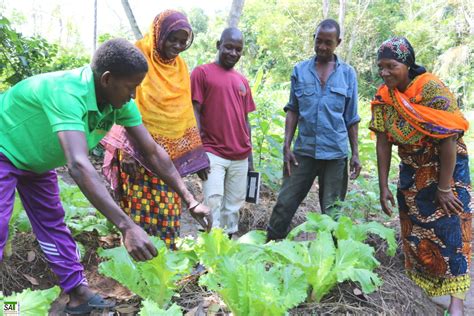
(40, 196)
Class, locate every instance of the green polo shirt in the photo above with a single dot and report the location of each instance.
(35, 109)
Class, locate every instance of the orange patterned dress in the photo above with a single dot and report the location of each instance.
(437, 247)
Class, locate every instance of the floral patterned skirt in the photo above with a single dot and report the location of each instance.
(437, 247)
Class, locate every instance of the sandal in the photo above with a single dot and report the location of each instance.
(96, 302)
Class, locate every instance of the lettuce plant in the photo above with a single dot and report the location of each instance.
(254, 288)
(154, 279)
(34, 303)
(211, 248)
(254, 278)
(325, 265)
(344, 228)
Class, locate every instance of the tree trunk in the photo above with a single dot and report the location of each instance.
(468, 17)
(131, 18)
(325, 9)
(342, 16)
(355, 29)
(94, 44)
(235, 12)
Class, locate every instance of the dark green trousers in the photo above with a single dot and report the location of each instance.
(332, 179)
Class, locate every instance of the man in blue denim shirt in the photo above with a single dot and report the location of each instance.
(323, 103)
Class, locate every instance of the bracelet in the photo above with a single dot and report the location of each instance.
(192, 208)
(445, 190)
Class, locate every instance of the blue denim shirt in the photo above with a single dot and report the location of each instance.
(325, 113)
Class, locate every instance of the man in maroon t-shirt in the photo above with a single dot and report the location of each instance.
(222, 99)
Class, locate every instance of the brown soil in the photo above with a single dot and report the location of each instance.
(397, 296)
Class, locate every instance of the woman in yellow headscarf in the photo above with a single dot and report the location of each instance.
(164, 100)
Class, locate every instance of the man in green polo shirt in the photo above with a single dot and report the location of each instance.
(53, 119)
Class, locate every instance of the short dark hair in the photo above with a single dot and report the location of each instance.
(120, 57)
(330, 24)
(230, 32)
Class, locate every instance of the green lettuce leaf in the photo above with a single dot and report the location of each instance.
(253, 237)
(154, 279)
(255, 289)
(150, 308)
(212, 247)
(34, 303)
(383, 232)
(321, 274)
(123, 269)
(314, 223)
(355, 261)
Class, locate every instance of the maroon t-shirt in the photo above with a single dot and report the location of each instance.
(225, 99)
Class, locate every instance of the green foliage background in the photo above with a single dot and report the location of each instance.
(21, 57)
(278, 34)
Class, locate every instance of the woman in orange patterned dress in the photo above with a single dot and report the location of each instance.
(415, 111)
(164, 100)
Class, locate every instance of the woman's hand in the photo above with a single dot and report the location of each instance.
(450, 204)
(384, 155)
(202, 214)
(444, 196)
(385, 197)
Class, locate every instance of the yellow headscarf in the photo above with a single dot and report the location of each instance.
(164, 96)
